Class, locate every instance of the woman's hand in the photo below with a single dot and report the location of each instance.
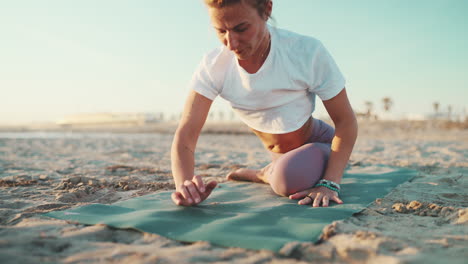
(316, 196)
(192, 192)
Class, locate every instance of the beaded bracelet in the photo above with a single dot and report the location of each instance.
(327, 186)
(330, 183)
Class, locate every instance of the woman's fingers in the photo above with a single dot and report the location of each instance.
(199, 183)
(189, 193)
(210, 186)
(208, 189)
(325, 201)
(307, 199)
(178, 198)
(317, 200)
(192, 189)
(299, 195)
(186, 193)
(316, 197)
(175, 198)
(337, 199)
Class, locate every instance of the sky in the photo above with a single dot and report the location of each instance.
(62, 57)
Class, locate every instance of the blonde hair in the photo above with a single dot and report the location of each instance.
(259, 5)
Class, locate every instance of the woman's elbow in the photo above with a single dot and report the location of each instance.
(347, 126)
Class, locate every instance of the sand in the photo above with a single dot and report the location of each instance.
(424, 220)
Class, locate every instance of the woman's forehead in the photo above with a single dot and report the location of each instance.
(233, 15)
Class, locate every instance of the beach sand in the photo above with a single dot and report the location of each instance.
(424, 220)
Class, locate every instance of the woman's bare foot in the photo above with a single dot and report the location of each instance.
(247, 175)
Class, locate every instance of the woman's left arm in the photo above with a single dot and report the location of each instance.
(346, 127)
(345, 122)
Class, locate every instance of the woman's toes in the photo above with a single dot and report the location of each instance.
(235, 175)
(243, 175)
(230, 176)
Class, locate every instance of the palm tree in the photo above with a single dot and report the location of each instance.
(387, 103)
(436, 108)
(449, 112)
(369, 106)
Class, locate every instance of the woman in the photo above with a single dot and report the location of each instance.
(270, 77)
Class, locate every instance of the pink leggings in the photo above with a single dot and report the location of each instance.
(303, 167)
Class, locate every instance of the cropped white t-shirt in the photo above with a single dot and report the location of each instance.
(280, 97)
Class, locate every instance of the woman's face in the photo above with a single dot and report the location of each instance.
(240, 28)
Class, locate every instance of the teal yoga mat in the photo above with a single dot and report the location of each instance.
(240, 214)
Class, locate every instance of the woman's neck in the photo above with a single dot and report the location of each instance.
(253, 64)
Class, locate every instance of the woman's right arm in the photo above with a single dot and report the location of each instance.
(190, 189)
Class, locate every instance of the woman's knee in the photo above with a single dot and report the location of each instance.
(299, 169)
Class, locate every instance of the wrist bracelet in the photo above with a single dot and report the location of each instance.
(327, 186)
(330, 183)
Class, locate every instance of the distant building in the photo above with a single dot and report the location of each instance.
(109, 119)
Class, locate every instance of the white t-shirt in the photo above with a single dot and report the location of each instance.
(280, 97)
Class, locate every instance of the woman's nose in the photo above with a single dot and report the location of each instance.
(231, 41)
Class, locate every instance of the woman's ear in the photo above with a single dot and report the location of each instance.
(268, 9)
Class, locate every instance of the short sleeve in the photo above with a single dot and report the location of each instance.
(327, 79)
(202, 81)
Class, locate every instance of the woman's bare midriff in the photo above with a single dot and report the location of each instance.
(282, 143)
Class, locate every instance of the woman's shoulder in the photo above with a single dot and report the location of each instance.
(214, 66)
(217, 57)
(295, 42)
